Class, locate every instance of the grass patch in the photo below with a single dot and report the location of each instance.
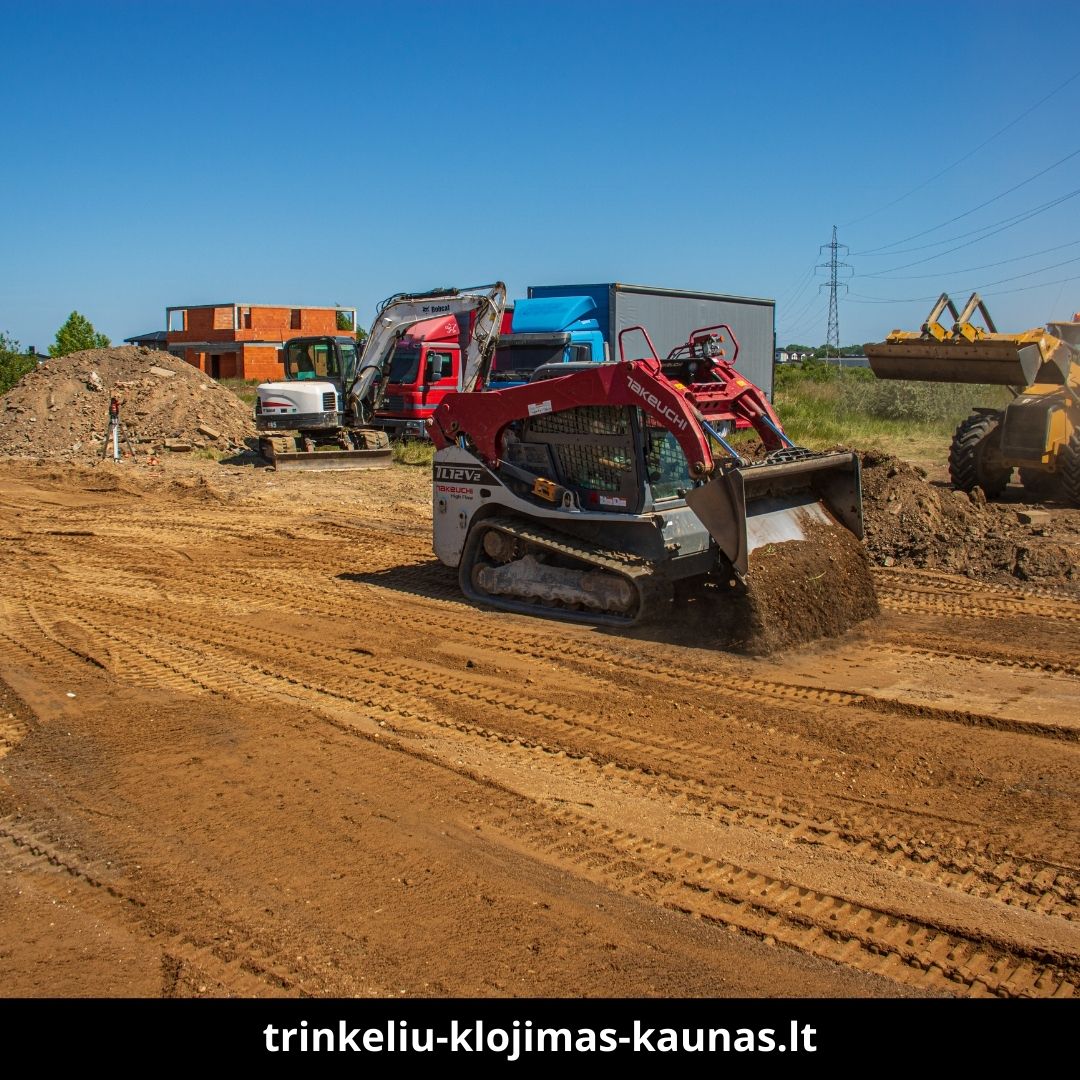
(244, 389)
(821, 408)
(413, 452)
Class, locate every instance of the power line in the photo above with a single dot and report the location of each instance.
(968, 213)
(971, 269)
(798, 288)
(860, 298)
(1008, 224)
(804, 316)
(1021, 215)
(969, 154)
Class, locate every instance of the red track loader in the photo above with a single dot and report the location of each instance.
(605, 494)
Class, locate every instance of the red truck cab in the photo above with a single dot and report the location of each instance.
(425, 367)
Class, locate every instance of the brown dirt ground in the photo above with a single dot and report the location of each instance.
(253, 743)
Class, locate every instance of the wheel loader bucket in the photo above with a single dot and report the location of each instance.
(791, 531)
(999, 360)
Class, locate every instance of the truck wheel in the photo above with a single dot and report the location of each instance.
(972, 457)
(1070, 470)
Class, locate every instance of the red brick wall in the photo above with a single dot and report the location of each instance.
(274, 323)
(195, 359)
(230, 367)
(261, 362)
(278, 321)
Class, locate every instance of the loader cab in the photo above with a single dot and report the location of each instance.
(424, 367)
(615, 459)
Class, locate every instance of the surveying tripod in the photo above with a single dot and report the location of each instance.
(115, 434)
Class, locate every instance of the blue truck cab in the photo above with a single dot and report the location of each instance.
(547, 330)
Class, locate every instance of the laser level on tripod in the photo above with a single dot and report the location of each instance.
(115, 433)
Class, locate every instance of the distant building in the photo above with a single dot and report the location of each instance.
(243, 341)
(156, 339)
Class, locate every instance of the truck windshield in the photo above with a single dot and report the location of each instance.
(515, 363)
(405, 365)
(311, 360)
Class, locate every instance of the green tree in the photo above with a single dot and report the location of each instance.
(76, 334)
(345, 322)
(14, 363)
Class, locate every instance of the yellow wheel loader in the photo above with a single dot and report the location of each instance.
(1038, 432)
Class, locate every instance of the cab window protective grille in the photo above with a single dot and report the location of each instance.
(594, 451)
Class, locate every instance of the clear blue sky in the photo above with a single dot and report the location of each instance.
(324, 153)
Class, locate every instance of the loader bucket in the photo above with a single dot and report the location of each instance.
(377, 456)
(791, 530)
(999, 361)
(341, 460)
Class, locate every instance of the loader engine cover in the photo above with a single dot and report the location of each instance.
(1026, 431)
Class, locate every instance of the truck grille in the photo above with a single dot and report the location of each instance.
(329, 401)
(394, 403)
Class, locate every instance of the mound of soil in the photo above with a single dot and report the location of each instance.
(803, 590)
(61, 410)
(909, 521)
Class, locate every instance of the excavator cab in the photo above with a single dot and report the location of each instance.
(319, 358)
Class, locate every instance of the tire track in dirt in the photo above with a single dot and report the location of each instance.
(680, 756)
(1025, 882)
(911, 600)
(884, 942)
(748, 688)
(242, 969)
(909, 578)
(231, 658)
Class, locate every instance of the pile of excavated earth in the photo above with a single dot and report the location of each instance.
(61, 410)
(912, 522)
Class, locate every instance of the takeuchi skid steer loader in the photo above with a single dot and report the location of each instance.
(1038, 432)
(605, 494)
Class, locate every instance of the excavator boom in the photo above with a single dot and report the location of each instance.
(322, 437)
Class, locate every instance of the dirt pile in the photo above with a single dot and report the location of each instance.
(911, 522)
(61, 410)
(803, 590)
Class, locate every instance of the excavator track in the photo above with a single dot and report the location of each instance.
(618, 576)
(281, 452)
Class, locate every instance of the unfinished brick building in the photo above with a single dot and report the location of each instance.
(243, 341)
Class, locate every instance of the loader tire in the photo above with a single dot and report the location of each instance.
(971, 456)
(1070, 470)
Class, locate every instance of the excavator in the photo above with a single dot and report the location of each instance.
(320, 416)
(1037, 433)
(609, 494)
